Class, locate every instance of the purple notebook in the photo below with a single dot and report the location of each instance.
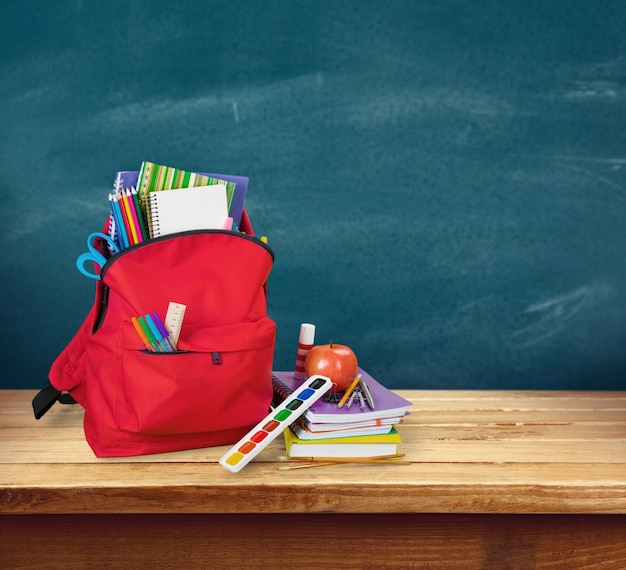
(386, 403)
(129, 179)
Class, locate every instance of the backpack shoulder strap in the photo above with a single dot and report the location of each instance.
(47, 397)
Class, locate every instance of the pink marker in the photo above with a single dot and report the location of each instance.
(305, 344)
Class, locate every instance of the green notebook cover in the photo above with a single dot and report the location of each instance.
(157, 177)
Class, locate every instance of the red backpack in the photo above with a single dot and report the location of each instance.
(217, 384)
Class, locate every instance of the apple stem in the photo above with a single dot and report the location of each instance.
(331, 343)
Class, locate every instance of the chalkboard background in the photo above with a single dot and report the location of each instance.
(443, 182)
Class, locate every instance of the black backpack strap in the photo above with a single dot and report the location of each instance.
(46, 398)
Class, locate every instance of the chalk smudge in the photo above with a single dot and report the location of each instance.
(553, 315)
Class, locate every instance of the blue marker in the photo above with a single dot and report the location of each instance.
(158, 336)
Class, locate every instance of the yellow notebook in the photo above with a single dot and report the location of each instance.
(360, 446)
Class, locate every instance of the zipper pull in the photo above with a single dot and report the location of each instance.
(217, 359)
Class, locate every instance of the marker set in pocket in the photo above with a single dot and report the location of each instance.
(259, 437)
(159, 336)
(153, 333)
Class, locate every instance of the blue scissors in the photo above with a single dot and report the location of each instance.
(93, 255)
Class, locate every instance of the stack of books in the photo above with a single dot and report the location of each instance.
(364, 428)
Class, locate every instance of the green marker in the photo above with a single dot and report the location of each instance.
(146, 329)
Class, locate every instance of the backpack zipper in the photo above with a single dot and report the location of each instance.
(104, 304)
(150, 241)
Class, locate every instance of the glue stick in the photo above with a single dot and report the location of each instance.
(305, 344)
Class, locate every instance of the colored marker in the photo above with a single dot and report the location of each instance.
(261, 435)
(165, 335)
(141, 333)
(151, 339)
(158, 336)
(305, 344)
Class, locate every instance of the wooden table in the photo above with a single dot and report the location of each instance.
(499, 479)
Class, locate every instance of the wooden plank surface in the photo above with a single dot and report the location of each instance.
(312, 542)
(471, 452)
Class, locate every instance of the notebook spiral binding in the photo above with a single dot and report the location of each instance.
(281, 391)
(112, 234)
(153, 217)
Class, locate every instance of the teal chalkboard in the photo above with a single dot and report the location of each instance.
(443, 182)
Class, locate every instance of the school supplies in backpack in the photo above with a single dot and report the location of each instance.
(140, 397)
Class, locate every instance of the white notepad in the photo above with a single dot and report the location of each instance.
(183, 209)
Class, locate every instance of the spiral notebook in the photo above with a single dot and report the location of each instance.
(388, 403)
(183, 209)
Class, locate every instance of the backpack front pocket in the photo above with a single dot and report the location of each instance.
(226, 384)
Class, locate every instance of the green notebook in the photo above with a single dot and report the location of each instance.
(156, 177)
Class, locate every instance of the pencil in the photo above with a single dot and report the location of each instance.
(349, 391)
(119, 222)
(123, 214)
(142, 226)
(343, 459)
(306, 465)
(129, 217)
(131, 206)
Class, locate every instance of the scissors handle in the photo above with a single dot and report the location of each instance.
(93, 255)
(85, 258)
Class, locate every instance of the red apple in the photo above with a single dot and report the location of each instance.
(336, 361)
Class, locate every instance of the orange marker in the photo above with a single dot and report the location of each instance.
(142, 334)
